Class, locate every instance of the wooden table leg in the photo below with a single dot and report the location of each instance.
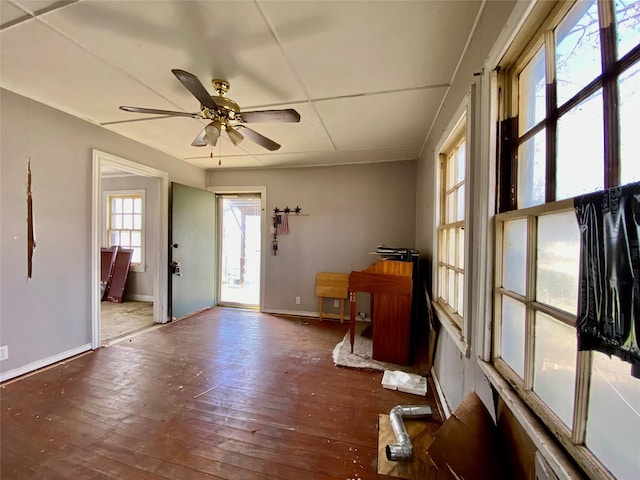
(352, 318)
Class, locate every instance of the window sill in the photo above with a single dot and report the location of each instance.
(544, 442)
(138, 268)
(451, 328)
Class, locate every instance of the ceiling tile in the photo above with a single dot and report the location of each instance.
(344, 48)
(378, 120)
(10, 12)
(381, 154)
(41, 64)
(202, 38)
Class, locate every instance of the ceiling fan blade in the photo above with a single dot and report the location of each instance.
(258, 138)
(264, 116)
(199, 140)
(159, 112)
(192, 83)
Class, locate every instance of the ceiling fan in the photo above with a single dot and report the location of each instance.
(224, 113)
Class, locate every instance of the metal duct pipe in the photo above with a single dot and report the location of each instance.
(403, 449)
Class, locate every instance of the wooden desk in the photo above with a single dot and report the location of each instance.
(390, 284)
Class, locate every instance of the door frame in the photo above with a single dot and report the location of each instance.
(262, 191)
(159, 257)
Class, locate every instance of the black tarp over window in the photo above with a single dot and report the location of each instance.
(609, 305)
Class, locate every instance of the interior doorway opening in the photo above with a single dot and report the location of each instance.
(150, 306)
(239, 249)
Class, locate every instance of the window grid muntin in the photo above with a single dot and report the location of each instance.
(451, 229)
(612, 68)
(117, 232)
(571, 437)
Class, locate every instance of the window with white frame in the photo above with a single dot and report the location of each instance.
(125, 223)
(451, 250)
(573, 105)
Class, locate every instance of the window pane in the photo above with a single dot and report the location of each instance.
(558, 261)
(613, 420)
(443, 283)
(451, 246)
(137, 255)
(514, 240)
(125, 238)
(127, 205)
(137, 205)
(117, 205)
(531, 171)
(581, 149)
(442, 250)
(629, 91)
(460, 248)
(532, 93)
(451, 166)
(115, 239)
(461, 162)
(628, 25)
(136, 239)
(137, 222)
(451, 207)
(577, 50)
(451, 282)
(460, 292)
(116, 221)
(513, 329)
(127, 221)
(460, 203)
(554, 374)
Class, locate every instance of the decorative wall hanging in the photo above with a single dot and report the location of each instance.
(281, 223)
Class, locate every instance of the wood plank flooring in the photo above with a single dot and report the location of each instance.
(225, 394)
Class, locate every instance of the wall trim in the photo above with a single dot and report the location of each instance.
(137, 297)
(294, 313)
(440, 393)
(45, 362)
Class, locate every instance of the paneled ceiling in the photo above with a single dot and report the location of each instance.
(367, 77)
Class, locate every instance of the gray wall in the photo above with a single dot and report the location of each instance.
(138, 283)
(43, 317)
(352, 209)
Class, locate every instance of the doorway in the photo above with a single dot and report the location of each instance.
(155, 260)
(239, 252)
(241, 257)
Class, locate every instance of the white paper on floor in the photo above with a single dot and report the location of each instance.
(404, 382)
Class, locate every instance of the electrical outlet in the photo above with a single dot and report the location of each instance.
(4, 352)
(297, 300)
(336, 303)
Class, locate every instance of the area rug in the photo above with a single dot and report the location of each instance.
(361, 356)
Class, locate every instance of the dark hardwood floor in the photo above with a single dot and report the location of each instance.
(226, 394)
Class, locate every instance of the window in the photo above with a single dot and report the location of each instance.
(449, 271)
(125, 225)
(572, 94)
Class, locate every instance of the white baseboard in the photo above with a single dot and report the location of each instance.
(134, 297)
(443, 401)
(45, 362)
(294, 313)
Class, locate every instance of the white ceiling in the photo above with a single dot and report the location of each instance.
(367, 77)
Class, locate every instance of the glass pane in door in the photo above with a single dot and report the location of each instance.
(240, 242)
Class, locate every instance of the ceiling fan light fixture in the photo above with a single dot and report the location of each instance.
(212, 132)
(234, 135)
